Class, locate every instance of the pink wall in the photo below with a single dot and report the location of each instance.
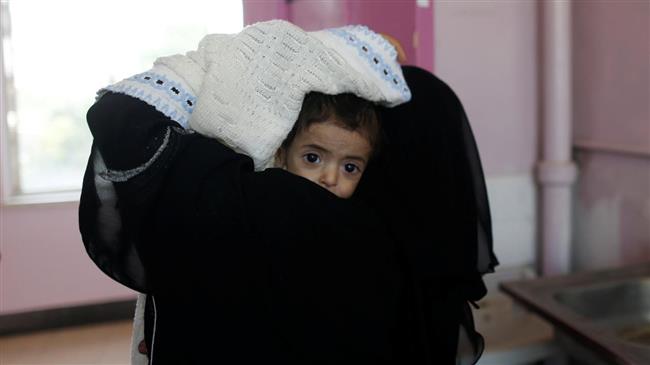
(487, 52)
(612, 87)
(44, 263)
(260, 10)
(424, 46)
(315, 15)
(612, 210)
(612, 132)
(398, 18)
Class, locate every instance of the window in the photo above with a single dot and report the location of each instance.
(57, 54)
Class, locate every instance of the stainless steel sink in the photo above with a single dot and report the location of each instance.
(600, 317)
(604, 301)
(622, 307)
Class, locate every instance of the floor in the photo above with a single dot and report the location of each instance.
(512, 337)
(103, 344)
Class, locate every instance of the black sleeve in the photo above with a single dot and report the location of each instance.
(132, 148)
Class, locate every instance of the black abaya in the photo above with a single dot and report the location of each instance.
(245, 266)
(429, 188)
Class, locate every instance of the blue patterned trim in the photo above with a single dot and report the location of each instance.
(172, 89)
(374, 59)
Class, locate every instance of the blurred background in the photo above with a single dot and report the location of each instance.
(557, 93)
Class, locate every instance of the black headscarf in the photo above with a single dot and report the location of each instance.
(429, 188)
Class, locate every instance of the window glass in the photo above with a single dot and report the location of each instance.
(57, 54)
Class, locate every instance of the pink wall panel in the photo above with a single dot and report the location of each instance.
(394, 17)
(398, 18)
(44, 263)
(611, 73)
(315, 15)
(612, 210)
(487, 52)
(261, 10)
(612, 132)
(424, 28)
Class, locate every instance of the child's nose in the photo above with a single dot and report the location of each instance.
(329, 176)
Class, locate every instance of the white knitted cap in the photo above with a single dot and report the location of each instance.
(257, 79)
(371, 55)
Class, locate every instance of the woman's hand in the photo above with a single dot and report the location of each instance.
(401, 55)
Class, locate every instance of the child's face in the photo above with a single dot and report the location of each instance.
(329, 155)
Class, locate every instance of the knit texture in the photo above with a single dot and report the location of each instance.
(246, 89)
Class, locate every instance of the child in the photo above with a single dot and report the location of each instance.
(332, 141)
(275, 268)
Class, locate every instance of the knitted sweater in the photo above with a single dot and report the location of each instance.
(246, 89)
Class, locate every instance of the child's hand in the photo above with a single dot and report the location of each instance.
(401, 55)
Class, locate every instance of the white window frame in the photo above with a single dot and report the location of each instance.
(9, 187)
(10, 193)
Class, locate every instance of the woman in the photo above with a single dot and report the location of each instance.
(246, 266)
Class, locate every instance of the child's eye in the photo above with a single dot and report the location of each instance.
(311, 158)
(350, 168)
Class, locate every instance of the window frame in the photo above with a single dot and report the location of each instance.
(10, 193)
(10, 190)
